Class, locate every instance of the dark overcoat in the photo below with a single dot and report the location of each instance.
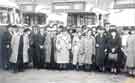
(100, 47)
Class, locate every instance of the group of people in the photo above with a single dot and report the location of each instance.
(58, 47)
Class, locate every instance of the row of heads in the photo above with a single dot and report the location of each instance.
(56, 27)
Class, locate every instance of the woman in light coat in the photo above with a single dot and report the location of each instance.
(20, 47)
(15, 46)
(75, 49)
(89, 50)
(130, 63)
(26, 46)
(49, 46)
(63, 45)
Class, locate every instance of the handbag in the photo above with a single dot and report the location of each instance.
(113, 56)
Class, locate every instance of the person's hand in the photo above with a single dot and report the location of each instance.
(113, 50)
(105, 50)
(41, 46)
(7, 46)
(97, 45)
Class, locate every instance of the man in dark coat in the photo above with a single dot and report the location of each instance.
(100, 49)
(6, 47)
(37, 48)
(42, 48)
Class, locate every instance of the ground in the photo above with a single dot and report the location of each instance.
(53, 76)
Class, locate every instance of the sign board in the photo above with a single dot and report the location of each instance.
(124, 1)
(124, 4)
(25, 1)
(60, 18)
(124, 18)
(68, 6)
(28, 7)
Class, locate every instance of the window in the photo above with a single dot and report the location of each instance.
(4, 16)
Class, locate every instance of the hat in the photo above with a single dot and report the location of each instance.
(61, 27)
(83, 26)
(26, 30)
(100, 28)
(14, 26)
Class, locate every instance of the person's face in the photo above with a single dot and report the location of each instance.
(107, 27)
(100, 31)
(42, 31)
(10, 29)
(85, 30)
(28, 32)
(68, 27)
(35, 30)
(55, 26)
(94, 30)
(113, 34)
(132, 32)
(112, 27)
(21, 31)
(89, 33)
(59, 30)
(15, 30)
(70, 31)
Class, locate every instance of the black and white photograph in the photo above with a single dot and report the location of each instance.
(67, 41)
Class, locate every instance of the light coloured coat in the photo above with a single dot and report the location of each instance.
(15, 47)
(48, 45)
(75, 48)
(87, 49)
(63, 44)
(26, 46)
(89, 46)
(130, 52)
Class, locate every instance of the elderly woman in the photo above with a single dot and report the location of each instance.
(63, 45)
(115, 56)
(130, 64)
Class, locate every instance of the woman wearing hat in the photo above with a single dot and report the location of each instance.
(63, 45)
(89, 50)
(130, 52)
(115, 56)
(20, 47)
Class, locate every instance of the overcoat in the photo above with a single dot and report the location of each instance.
(6, 47)
(100, 50)
(130, 51)
(26, 46)
(89, 46)
(115, 43)
(75, 48)
(63, 44)
(49, 46)
(15, 48)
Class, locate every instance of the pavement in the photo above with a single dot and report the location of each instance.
(55, 76)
